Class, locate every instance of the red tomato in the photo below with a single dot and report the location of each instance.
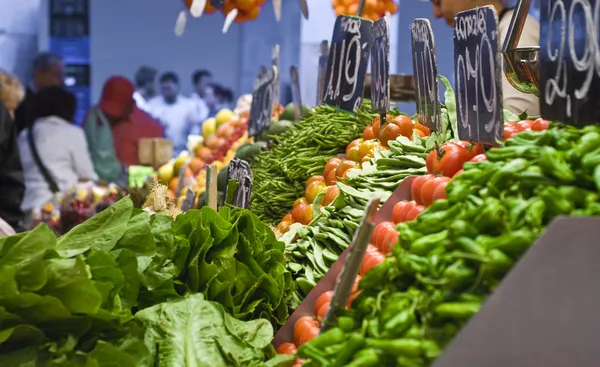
(440, 191)
(323, 310)
(407, 208)
(305, 330)
(447, 160)
(368, 134)
(540, 124)
(354, 153)
(405, 124)
(414, 213)
(307, 215)
(355, 292)
(479, 158)
(331, 178)
(429, 188)
(415, 187)
(299, 201)
(397, 210)
(353, 143)
(333, 163)
(419, 133)
(510, 131)
(315, 179)
(525, 124)
(371, 260)
(345, 166)
(377, 124)
(288, 218)
(389, 132)
(324, 298)
(284, 226)
(474, 149)
(423, 128)
(297, 212)
(385, 236)
(330, 195)
(458, 173)
(314, 189)
(286, 348)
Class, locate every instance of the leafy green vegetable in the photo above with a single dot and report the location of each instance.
(195, 332)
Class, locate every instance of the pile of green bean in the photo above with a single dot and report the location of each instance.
(280, 173)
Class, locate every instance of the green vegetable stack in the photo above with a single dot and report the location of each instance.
(302, 151)
(71, 301)
(456, 253)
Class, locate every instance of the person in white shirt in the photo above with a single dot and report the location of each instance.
(145, 87)
(177, 114)
(201, 79)
(55, 157)
(513, 100)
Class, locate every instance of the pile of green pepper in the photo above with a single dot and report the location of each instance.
(456, 253)
(280, 173)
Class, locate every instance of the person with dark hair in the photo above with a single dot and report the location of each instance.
(12, 183)
(177, 114)
(48, 70)
(224, 97)
(200, 81)
(53, 149)
(114, 128)
(145, 86)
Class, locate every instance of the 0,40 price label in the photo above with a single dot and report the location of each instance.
(570, 61)
(426, 74)
(347, 64)
(477, 71)
(262, 101)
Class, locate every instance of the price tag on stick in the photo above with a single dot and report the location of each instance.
(323, 60)
(188, 202)
(240, 171)
(478, 73)
(570, 61)
(357, 249)
(426, 75)
(380, 68)
(276, 82)
(296, 95)
(347, 64)
(211, 186)
(181, 180)
(262, 102)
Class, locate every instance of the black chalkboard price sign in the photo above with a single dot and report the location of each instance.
(296, 94)
(262, 102)
(240, 171)
(347, 64)
(426, 74)
(477, 71)
(380, 67)
(570, 61)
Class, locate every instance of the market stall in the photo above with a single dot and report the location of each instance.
(348, 234)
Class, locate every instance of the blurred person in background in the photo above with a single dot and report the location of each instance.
(12, 182)
(514, 100)
(115, 127)
(48, 71)
(176, 113)
(200, 80)
(211, 99)
(145, 86)
(224, 97)
(11, 92)
(53, 149)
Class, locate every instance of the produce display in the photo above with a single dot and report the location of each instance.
(374, 9)
(247, 9)
(120, 286)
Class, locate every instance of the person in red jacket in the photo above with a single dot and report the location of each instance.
(129, 124)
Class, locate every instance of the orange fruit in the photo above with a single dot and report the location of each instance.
(371, 5)
(196, 164)
(171, 195)
(252, 13)
(391, 7)
(351, 9)
(173, 184)
(340, 9)
(209, 9)
(245, 5)
(188, 3)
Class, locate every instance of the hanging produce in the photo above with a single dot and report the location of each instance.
(374, 9)
(247, 10)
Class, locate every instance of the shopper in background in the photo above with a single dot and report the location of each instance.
(12, 183)
(48, 71)
(211, 99)
(53, 149)
(145, 86)
(200, 79)
(11, 92)
(176, 113)
(514, 100)
(115, 127)
(224, 97)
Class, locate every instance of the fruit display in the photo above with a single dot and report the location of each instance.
(247, 9)
(373, 10)
(144, 289)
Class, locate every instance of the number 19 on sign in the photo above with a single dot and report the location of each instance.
(347, 64)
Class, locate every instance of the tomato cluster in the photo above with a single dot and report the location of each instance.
(513, 128)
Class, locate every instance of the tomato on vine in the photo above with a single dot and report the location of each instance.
(447, 159)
